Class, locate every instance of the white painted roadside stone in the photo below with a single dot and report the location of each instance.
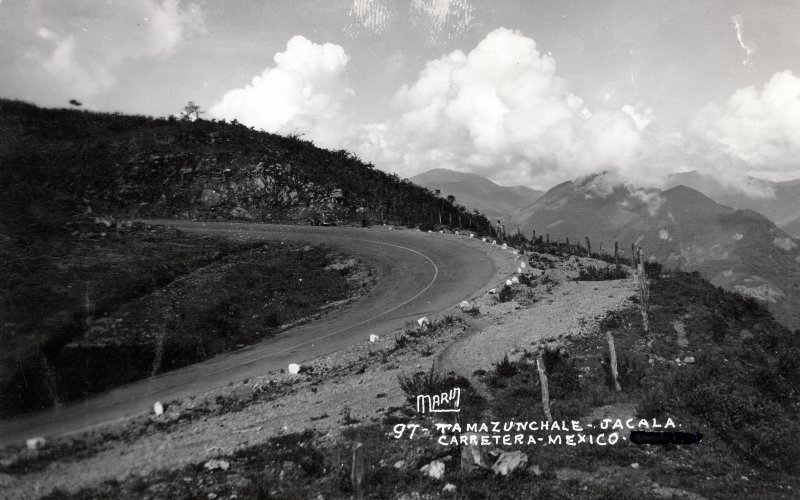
(36, 443)
(217, 464)
(464, 305)
(493, 290)
(523, 265)
(509, 282)
(373, 338)
(294, 368)
(504, 247)
(423, 321)
(158, 408)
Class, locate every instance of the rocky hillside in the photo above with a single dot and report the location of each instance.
(737, 249)
(476, 192)
(57, 163)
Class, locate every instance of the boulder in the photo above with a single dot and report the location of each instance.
(210, 198)
(474, 455)
(508, 462)
(434, 469)
(241, 213)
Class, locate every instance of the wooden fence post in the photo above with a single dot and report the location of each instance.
(589, 246)
(640, 260)
(616, 254)
(612, 353)
(545, 392)
(357, 472)
(548, 238)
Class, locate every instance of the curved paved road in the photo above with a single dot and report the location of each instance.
(419, 274)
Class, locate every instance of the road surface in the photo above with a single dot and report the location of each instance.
(418, 274)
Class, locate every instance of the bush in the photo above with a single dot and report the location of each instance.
(652, 269)
(593, 273)
(506, 294)
(431, 382)
(562, 374)
(505, 368)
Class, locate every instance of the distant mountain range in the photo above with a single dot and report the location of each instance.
(680, 227)
(783, 208)
(476, 192)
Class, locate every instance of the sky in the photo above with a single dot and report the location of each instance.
(523, 92)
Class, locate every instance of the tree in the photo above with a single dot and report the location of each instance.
(192, 110)
(75, 102)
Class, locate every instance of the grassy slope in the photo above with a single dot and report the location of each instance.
(54, 162)
(68, 182)
(741, 393)
(85, 315)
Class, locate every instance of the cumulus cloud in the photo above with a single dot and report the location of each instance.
(757, 132)
(502, 111)
(302, 93)
(80, 47)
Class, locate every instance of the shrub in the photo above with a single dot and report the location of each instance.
(562, 374)
(506, 294)
(505, 368)
(592, 273)
(430, 382)
(652, 269)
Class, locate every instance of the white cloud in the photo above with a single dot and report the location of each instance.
(442, 19)
(82, 46)
(738, 21)
(371, 16)
(755, 133)
(501, 111)
(303, 93)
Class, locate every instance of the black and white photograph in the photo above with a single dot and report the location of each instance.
(399, 249)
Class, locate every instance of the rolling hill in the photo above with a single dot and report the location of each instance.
(59, 163)
(682, 228)
(783, 208)
(476, 192)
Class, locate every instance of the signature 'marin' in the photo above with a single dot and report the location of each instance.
(437, 402)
